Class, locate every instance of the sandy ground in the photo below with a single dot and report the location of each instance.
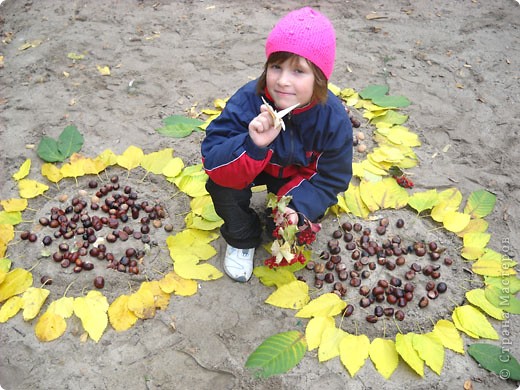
(456, 61)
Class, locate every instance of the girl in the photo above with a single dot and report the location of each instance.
(308, 158)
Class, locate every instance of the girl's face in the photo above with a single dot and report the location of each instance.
(290, 82)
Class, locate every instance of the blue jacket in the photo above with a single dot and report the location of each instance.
(314, 152)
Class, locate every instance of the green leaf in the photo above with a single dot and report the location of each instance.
(480, 204)
(390, 118)
(12, 218)
(5, 264)
(503, 299)
(278, 354)
(391, 101)
(48, 150)
(373, 91)
(510, 283)
(178, 126)
(70, 141)
(496, 359)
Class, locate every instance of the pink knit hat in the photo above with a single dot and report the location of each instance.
(307, 33)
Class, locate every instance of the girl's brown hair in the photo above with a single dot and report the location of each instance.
(320, 89)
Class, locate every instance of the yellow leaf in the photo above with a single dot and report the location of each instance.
(121, 318)
(453, 196)
(13, 204)
(161, 298)
(189, 270)
(64, 307)
(50, 326)
(173, 167)
(33, 299)
(477, 225)
(10, 308)
(421, 201)
(455, 221)
(387, 153)
(459, 326)
(173, 283)
(103, 70)
(477, 297)
(314, 330)
(15, 282)
(366, 189)
(187, 248)
(203, 206)
(474, 244)
(354, 202)
(191, 245)
(372, 167)
(293, 295)
(51, 172)
(3, 248)
(142, 302)
(273, 276)
(329, 345)
(23, 171)
(472, 320)
(440, 210)
(429, 349)
(194, 221)
(491, 267)
(404, 347)
(131, 157)
(29, 188)
(326, 305)
(92, 311)
(341, 204)
(73, 169)
(353, 352)
(107, 157)
(447, 332)
(156, 161)
(81, 165)
(6, 233)
(384, 356)
(401, 135)
(93, 166)
(384, 194)
(192, 185)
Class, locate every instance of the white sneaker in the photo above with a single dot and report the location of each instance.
(238, 263)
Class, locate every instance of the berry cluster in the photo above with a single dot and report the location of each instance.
(271, 261)
(306, 236)
(403, 181)
(290, 240)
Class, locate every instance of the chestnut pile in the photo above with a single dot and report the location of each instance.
(81, 233)
(356, 259)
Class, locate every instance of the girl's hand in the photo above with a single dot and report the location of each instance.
(291, 216)
(261, 128)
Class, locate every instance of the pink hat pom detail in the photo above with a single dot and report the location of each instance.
(307, 33)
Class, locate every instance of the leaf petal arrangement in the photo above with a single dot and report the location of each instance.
(372, 189)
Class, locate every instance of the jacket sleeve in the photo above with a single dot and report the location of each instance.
(229, 155)
(313, 194)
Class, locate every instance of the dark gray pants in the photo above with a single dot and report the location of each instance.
(242, 227)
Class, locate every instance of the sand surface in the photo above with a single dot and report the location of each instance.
(457, 61)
